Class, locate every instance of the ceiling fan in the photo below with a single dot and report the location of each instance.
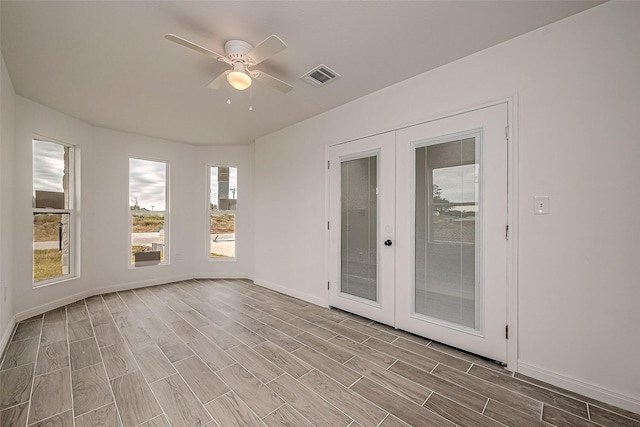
(242, 57)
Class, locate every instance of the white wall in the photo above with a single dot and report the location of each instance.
(240, 156)
(109, 257)
(579, 103)
(7, 135)
(34, 119)
(289, 210)
(104, 188)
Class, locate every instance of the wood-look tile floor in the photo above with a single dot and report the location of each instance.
(229, 353)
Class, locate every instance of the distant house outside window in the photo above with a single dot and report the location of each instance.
(223, 200)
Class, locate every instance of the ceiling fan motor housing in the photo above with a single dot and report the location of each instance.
(236, 51)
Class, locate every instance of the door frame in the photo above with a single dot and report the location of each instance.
(512, 206)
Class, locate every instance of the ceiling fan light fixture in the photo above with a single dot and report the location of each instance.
(241, 56)
(238, 78)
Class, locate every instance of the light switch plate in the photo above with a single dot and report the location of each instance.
(541, 205)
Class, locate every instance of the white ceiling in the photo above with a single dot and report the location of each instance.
(108, 64)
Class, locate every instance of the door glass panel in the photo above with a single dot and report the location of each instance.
(359, 232)
(446, 212)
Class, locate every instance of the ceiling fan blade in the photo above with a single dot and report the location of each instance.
(193, 46)
(274, 82)
(269, 47)
(218, 81)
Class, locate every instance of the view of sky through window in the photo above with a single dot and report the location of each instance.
(48, 166)
(457, 184)
(147, 184)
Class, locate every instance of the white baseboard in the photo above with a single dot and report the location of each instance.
(141, 284)
(6, 336)
(595, 392)
(291, 292)
(210, 275)
(97, 291)
(34, 311)
(159, 281)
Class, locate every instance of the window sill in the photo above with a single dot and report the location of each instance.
(54, 281)
(133, 267)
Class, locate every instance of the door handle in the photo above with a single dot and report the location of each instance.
(388, 242)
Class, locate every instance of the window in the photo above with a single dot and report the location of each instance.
(53, 211)
(223, 197)
(148, 213)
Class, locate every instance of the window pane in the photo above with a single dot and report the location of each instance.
(447, 194)
(50, 175)
(223, 193)
(359, 227)
(223, 235)
(224, 185)
(148, 205)
(147, 185)
(147, 237)
(50, 246)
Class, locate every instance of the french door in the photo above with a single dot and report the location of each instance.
(362, 220)
(417, 229)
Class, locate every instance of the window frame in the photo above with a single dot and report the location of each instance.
(209, 211)
(71, 210)
(167, 216)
